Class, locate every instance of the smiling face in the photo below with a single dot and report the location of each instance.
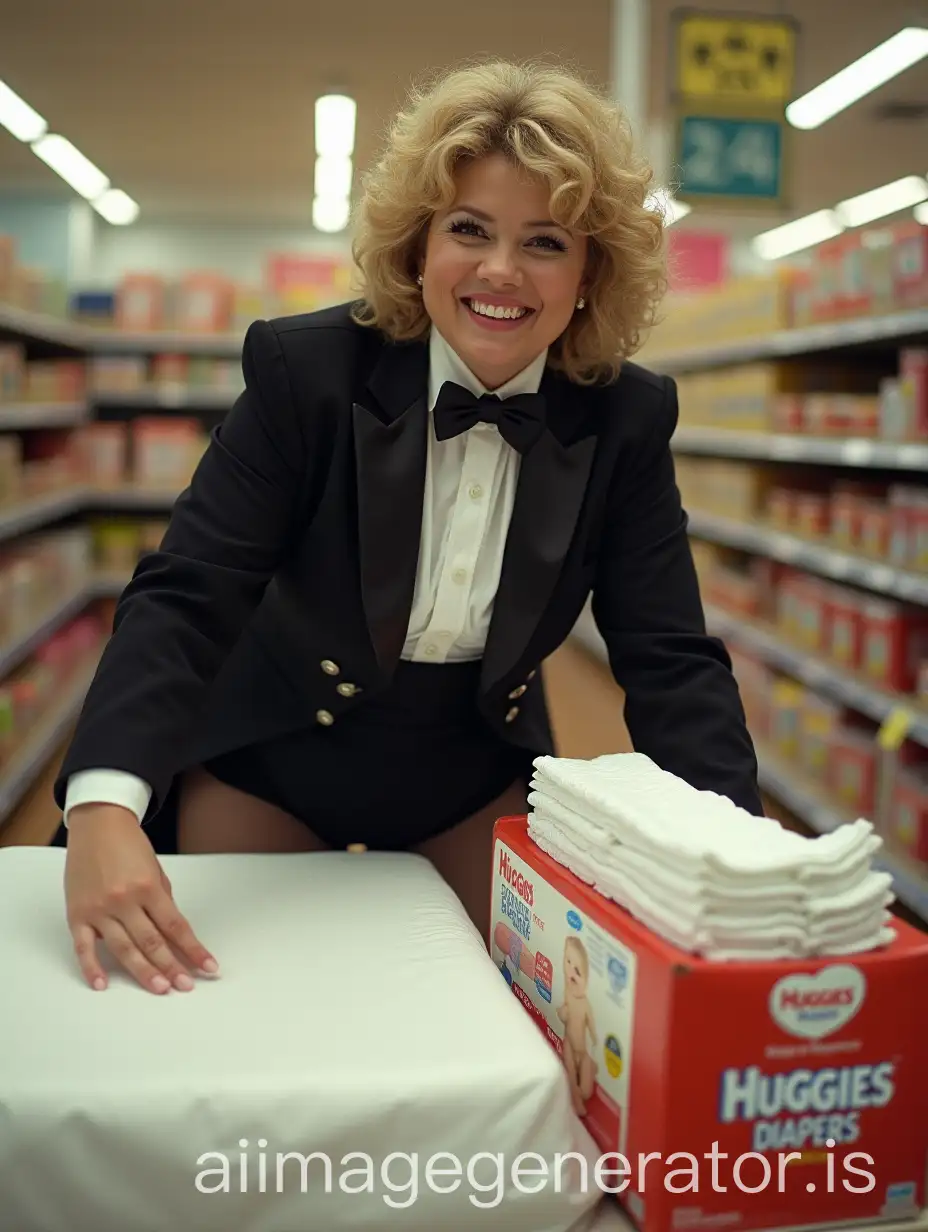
(500, 280)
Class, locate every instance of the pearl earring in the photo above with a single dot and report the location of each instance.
(419, 280)
(581, 302)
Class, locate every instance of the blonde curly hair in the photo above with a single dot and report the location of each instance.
(556, 126)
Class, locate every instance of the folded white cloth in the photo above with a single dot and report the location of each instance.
(719, 941)
(847, 890)
(704, 874)
(703, 833)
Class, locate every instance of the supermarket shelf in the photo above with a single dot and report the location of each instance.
(114, 342)
(122, 342)
(131, 498)
(793, 447)
(169, 398)
(836, 335)
(818, 674)
(15, 651)
(791, 787)
(818, 558)
(41, 511)
(25, 767)
(42, 328)
(17, 415)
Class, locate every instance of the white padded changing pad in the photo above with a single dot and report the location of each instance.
(357, 1016)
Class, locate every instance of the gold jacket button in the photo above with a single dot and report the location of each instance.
(325, 718)
(519, 691)
(330, 668)
(532, 674)
(346, 689)
(356, 848)
(511, 714)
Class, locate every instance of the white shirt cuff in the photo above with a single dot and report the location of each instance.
(107, 787)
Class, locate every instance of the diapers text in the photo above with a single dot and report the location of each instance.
(804, 1108)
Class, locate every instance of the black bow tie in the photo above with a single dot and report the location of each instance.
(520, 419)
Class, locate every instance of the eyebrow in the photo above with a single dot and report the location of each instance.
(484, 217)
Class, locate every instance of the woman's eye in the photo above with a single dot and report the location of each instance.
(550, 243)
(465, 226)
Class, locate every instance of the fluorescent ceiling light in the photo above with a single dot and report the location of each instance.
(76, 170)
(859, 79)
(18, 117)
(335, 124)
(333, 176)
(117, 207)
(794, 236)
(921, 213)
(331, 213)
(880, 202)
(665, 205)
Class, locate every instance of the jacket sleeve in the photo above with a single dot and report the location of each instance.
(187, 603)
(683, 708)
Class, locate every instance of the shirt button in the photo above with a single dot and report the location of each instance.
(431, 649)
(459, 576)
(476, 491)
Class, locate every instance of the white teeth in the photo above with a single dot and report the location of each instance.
(501, 314)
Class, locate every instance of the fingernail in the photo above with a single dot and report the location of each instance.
(210, 967)
(160, 984)
(99, 984)
(184, 983)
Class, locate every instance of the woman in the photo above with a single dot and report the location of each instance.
(339, 638)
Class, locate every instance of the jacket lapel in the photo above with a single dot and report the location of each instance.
(390, 435)
(549, 496)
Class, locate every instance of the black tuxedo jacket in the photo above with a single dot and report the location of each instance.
(288, 569)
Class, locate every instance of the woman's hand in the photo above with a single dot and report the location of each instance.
(116, 891)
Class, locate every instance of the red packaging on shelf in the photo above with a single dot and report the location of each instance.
(875, 530)
(812, 514)
(852, 766)
(913, 372)
(140, 303)
(910, 281)
(688, 1061)
(907, 828)
(895, 640)
(846, 624)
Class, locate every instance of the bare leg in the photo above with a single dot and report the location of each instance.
(587, 1075)
(214, 817)
(570, 1065)
(464, 855)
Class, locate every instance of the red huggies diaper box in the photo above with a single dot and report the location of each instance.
(771, 1094)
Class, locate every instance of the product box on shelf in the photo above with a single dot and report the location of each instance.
(752, 1095)
(910, 289)
(894, 642)
(165, 451)
(203, 304)
(852, 768)
(913, 379)
(907, 823)
(12, 371)
(846, 627)
(141, 303)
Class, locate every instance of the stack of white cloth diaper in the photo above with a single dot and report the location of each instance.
(701, 872)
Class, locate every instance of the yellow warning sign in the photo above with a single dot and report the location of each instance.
(730, 60)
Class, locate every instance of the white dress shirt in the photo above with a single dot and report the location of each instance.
(470, 487)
